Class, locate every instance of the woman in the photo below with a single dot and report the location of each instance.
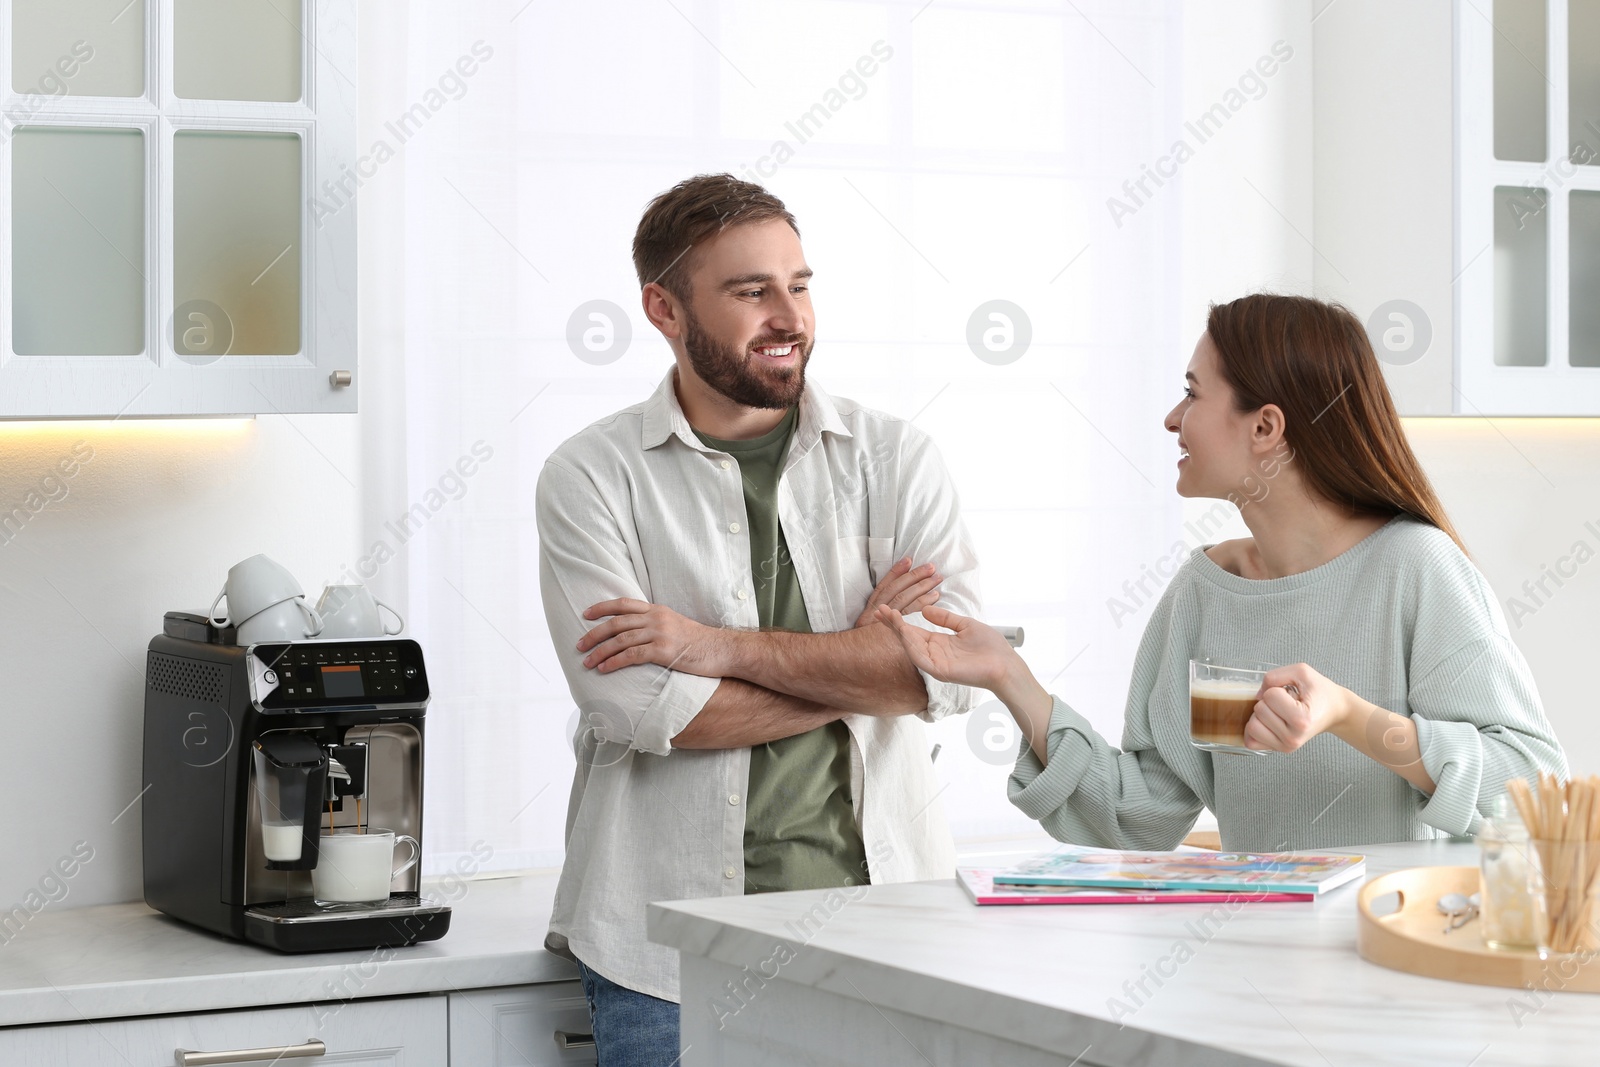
(1407, 706)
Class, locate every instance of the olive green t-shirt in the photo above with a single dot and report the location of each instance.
(799, 827)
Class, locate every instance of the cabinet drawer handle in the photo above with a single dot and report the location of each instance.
(565, 1040)
(312, 1047)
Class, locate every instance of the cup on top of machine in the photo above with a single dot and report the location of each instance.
(253, 585)
(352, 611)
(288, 620)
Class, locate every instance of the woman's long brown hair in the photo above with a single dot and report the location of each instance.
(1315, 362)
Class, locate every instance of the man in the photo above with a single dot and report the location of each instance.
(707, 562)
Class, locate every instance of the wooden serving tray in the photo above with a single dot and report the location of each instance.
(1412, 939)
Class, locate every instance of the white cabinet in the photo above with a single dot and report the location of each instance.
(1456, 148)
(398, 1032)
(544, 1025)
(177, 207)
(517, 1026)
(1528, 206)
(1383, 227)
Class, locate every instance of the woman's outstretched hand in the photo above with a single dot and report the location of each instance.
(974, 655)
(978, 656)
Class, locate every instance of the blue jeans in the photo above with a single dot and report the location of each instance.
(631, 1029)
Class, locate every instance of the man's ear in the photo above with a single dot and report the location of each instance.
(1268, 430)
(663, 310)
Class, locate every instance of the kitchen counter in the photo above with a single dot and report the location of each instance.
(915, 974)
(120, 960)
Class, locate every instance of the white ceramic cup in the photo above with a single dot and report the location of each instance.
(352, 611)
(288, 620)
(253, 585)
(357, 868)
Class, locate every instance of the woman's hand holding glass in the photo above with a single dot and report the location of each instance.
(1296, 704)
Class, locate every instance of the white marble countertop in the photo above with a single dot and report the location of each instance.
(125, 959)
(1271, 983)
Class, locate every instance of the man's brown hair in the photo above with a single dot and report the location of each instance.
(688, 213)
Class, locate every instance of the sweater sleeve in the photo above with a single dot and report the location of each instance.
(1480, 722)
(1092, 793)
(1478, 714)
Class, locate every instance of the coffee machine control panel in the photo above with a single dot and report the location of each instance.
(321, 675)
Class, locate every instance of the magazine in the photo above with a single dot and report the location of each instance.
(979, 884)
(1286, 872)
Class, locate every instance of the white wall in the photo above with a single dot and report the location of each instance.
(150, 523)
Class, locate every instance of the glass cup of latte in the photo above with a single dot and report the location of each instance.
(1221, 700)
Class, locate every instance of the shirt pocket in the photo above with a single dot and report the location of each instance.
(863, 561)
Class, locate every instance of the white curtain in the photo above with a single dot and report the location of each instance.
(938, 156)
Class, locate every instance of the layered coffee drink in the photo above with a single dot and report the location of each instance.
(1218, 710)
(1221, 701)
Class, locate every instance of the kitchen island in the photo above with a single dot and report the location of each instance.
(915, 974)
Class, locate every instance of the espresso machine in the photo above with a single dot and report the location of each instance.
(252, 753)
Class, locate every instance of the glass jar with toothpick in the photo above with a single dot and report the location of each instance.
(1563, 821)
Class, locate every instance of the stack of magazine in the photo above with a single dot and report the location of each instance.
(1074, 875)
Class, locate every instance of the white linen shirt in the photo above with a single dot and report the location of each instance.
(635, 506)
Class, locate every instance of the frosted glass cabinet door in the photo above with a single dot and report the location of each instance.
(1521, 276)
(77, 241)
(1520, 79)
(1583, 261)
(237, 50)
(236, 239)
(77, 47)
(158, 252)
(1583, 80)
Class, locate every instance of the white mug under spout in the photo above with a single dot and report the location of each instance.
(352, 611)
(356, 868)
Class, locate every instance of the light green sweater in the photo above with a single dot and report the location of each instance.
(1403, 619)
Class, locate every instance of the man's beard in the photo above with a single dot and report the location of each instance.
(740, 376)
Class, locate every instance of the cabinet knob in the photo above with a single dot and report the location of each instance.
(312, 1047)
(339, 378)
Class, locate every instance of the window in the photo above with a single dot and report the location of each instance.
(160, 175)
(1528, 207)
(938, 161)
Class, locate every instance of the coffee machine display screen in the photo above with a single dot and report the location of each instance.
(317, 675)
(342, 681)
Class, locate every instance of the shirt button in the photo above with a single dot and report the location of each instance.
(733, 798)
(730, 873)
(741, 594)
(726, 465)
(733, 527)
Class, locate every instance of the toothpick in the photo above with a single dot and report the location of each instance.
(1522, 796)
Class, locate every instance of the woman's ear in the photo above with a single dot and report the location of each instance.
(1267, 432)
